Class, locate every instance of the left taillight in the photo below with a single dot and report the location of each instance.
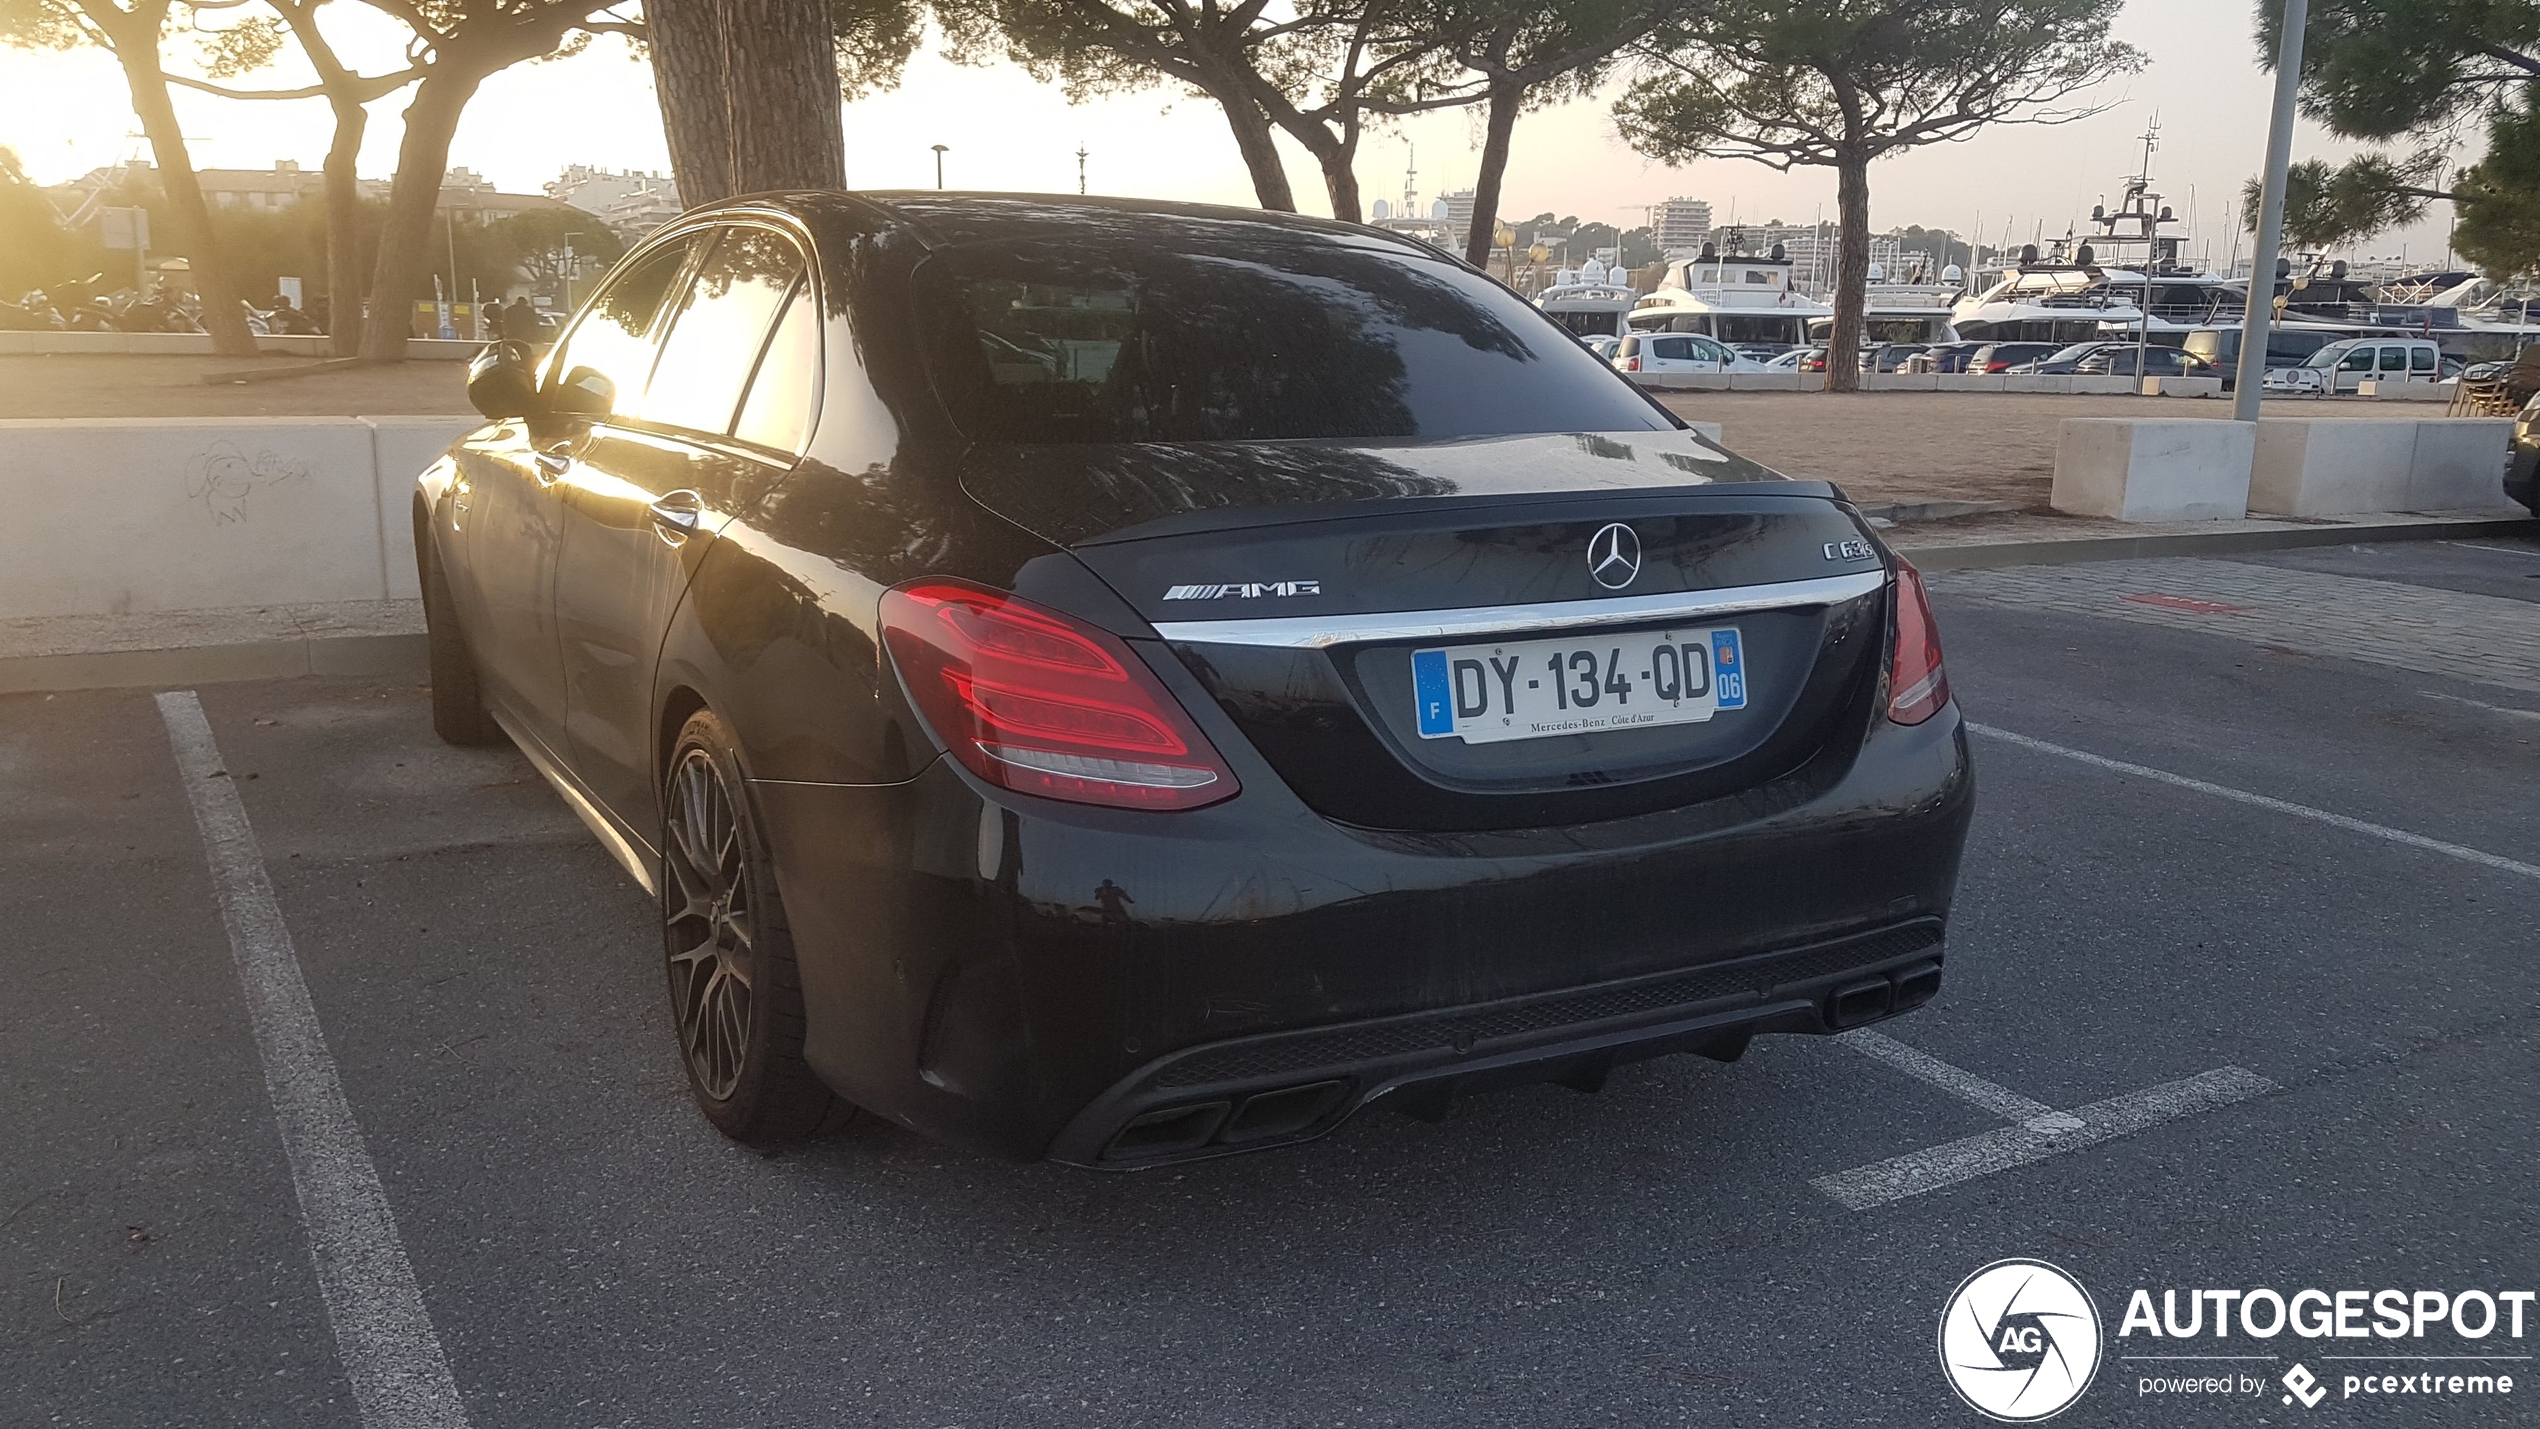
(1917, 681)
(1031, 700)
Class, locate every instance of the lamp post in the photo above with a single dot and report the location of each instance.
(565, 270)
(939, 164)
(1080, 168)
(2260, 310)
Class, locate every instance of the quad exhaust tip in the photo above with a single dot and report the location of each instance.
(1859, 1003)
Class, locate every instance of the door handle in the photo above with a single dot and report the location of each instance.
(553, 462)
(676, 515)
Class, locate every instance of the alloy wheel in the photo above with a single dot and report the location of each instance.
(708, 927)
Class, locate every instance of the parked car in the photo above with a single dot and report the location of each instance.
(1157, 747)
(2001, 357)
(1679, 352)
(2062, 362)
(2219, 348)
(1763, 352)
(2344, 366)
(1812, 359)
(1790, 361)
(1943, 357)
(2122, 361)
(2522, 475)
(1602, 344)
(1891, 357)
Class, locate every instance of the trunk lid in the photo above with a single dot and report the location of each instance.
(1297, 581)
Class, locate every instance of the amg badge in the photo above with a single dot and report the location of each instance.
(1249, 591)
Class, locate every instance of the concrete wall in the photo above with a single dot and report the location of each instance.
(2132, 469)
(2347, 466)
(149, 514)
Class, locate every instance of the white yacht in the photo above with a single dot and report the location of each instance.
(1591, 301)
(1911, 311)
(1735, 298)
(2127, 277)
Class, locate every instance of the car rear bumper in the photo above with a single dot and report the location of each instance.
(1246, 1094)
(1031, 979)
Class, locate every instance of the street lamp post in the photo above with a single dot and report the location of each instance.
(939, 164)
(2261, 309)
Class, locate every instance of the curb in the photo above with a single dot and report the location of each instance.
(1982, 556)
(396, 657)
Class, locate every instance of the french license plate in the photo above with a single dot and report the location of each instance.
(1579, 684)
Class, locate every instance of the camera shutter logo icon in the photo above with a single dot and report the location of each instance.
(2020, 1341)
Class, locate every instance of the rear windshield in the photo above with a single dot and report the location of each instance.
(1061, 341)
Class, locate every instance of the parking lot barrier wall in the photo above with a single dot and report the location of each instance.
(1682, 381)
(2357, 466)
(2182, 386)
(2143, 469)
(140, 515)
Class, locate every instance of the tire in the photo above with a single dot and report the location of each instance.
(458, 701)
(736, 995)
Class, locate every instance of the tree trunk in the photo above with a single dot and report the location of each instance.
(343, 228)
(1260, 152)
(423, 160)
(1498, 129)
(749, 95)
(1340, 180)
(1852, 270)
(136, 42)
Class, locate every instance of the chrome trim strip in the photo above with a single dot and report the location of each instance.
(637, 865)
(1318, 632)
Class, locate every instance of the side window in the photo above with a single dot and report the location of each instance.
(2394, 359)
(783, 397)
(719, 328)
(612, 339)
(2421, 359)
(1672, 348)
(2359, 360)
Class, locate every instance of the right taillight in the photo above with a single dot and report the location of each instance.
(1631, 364)
(1917, 681)
(1031, 700)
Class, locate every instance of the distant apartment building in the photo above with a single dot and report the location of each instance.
(1459, 212)
(465, 195)
(1681, 223)
(631, 202)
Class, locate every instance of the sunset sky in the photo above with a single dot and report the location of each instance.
(66, 114)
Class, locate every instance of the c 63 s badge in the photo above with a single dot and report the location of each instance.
(1250, 590)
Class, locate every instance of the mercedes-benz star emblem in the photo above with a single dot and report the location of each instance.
(1614, 556)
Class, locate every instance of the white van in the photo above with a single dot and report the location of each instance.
(2345, 366)
(1681, 352)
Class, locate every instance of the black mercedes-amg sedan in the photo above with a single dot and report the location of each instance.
(1131, 682)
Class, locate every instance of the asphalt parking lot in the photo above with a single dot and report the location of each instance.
(2241, 991)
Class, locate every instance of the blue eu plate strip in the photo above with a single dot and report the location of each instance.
(1429, 683)
(1728, 668)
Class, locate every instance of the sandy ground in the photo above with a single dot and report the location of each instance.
(1879, 446)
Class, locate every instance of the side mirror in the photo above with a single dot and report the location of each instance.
(584, 392)
(502, 381)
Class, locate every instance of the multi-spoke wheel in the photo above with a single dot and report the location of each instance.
(735, 1001)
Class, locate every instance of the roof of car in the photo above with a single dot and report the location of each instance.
(947, 218)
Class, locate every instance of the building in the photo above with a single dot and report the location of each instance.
(1681, 223)
(632, 202)
(1459, 212)
(465, 196)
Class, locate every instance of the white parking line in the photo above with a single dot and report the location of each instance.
(1914, 1173)
(383, 1336)
(2299, 811)
(1966, 1086)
